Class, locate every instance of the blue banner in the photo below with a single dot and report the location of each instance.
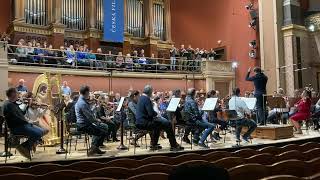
(113, 20)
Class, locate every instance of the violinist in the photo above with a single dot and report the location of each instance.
(105, 114)
(35, 112)
(18, 124)
(213, 117)
(194, 118)
(237, 104)
(303, 111)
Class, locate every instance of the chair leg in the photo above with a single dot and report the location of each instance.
(145, 140)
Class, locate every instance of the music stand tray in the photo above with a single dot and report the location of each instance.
(173, 105)
(210, 104)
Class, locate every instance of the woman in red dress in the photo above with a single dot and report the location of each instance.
(303, 111)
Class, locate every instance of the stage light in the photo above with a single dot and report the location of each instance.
(311, 28)
(249, 6)
(234, 65)
(253, 54)
(253, 44)
(253, 23)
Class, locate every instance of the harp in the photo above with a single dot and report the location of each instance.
(43, 91)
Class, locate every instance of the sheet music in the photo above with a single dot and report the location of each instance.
(210, 104)
(173, 105)
(250, 102)
(120, 104)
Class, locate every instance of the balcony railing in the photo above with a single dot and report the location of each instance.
(66, 58)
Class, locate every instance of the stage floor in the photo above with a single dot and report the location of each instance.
(49, 154)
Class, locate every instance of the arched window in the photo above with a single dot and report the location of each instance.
(159, 19)
(74, 14)
(36, 12)
(135, 19)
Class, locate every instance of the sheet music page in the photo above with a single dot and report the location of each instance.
(120, 104)
(250, 102)
(210, 104)
(173, 105)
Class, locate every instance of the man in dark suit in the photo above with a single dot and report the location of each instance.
(260, 83)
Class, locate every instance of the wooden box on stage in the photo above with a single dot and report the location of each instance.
(273, 132)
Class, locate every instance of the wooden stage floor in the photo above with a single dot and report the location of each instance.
(49, 154)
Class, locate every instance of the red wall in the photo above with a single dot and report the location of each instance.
(5, 14)
(121, 85)
(203, 23)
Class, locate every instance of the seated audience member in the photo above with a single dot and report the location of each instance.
(30, 52)
(146, 119)
(237, 104)
(194, 118)
(101, 58)
(120, 60)
(303, 111)
(82, 57)
(71, 55)
(86, 122)
(18, 124)
(129, 61)
(21, 53)
(110, 60)
(39, 53)
(50, 55)
(21, 88)
(61, 56)
(92, 59)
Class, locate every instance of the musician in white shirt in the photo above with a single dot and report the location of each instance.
(237, 104)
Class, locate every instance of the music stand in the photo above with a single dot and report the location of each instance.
(250, 102)
(121, 146)
(173, 105)
(277, 103)
(210, 104)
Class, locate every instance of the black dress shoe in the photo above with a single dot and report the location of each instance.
(116, 140)
(155, 148)
(216, 136)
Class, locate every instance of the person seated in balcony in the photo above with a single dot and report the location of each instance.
(120, 60)
(82, 57)
(30, 52)
(100, 58)
(129, 62)
(21, 53)
(39, 53)
(92, 58)
(61, 54)
(141, 53)
(50, 55)
(71, 54)
(135, 56)
(110, 60)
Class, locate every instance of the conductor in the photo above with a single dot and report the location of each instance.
(260, 83)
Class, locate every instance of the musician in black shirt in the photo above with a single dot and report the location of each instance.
(18, 124)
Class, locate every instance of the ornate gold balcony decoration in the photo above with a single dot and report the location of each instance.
(313, 21)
